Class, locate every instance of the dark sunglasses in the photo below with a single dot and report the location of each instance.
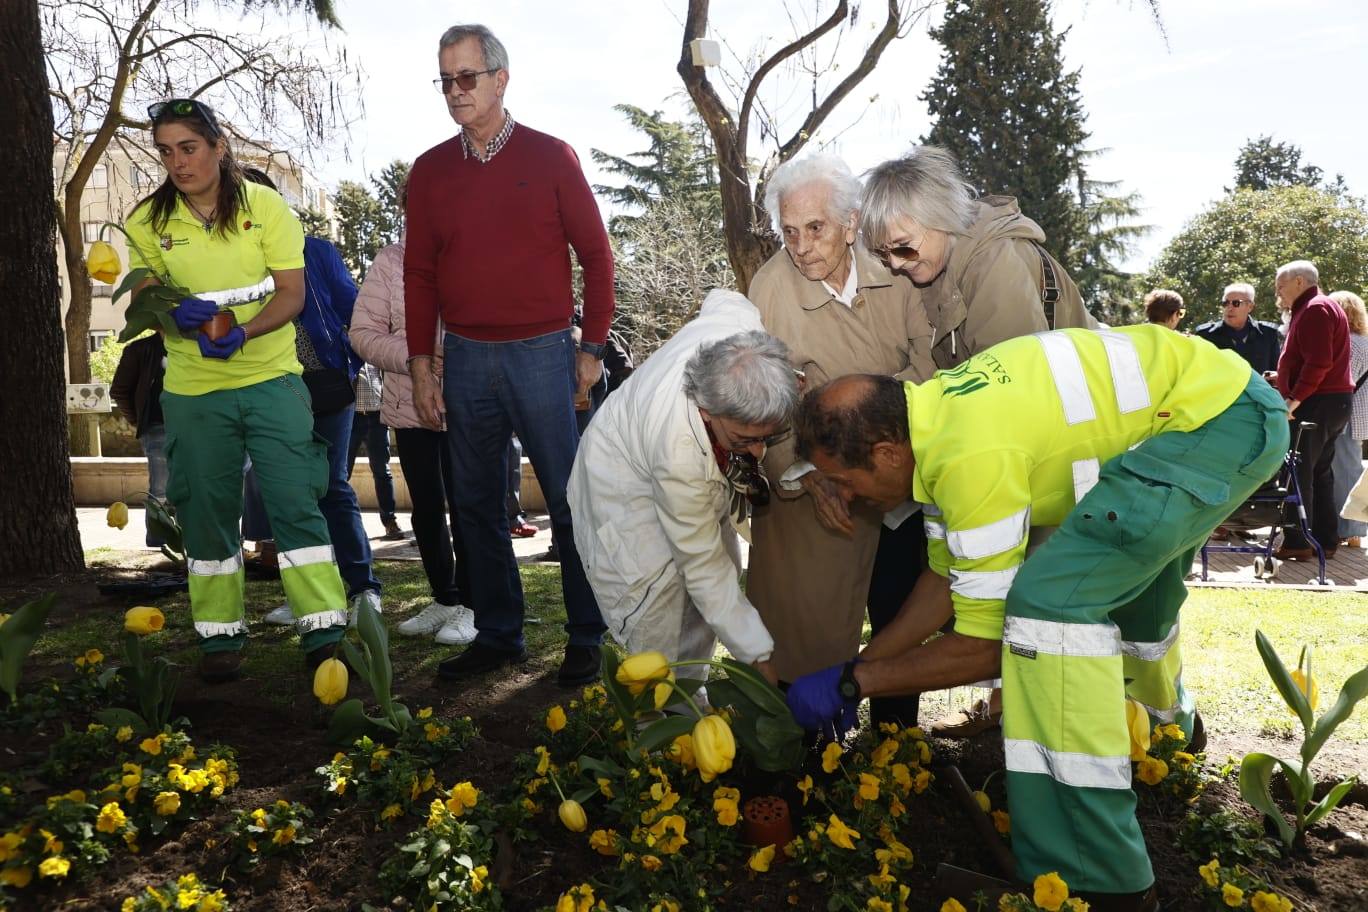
(465, 81)
(1234, 303)
(182, 107)
(905, 252)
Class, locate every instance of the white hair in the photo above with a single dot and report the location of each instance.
(1301, 269)
(745, 377)
(491, 48)
(1243, 288)
(843, 201)
(926, 186)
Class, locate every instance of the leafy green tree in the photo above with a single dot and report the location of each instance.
(677, 165)
(1262, 164)
(315, 223)
(1247, 235)
(359, 223)
(390, 222)
(1110, 232)
(1010, 113)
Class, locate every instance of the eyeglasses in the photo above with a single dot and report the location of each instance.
(183, 107)
(465, 81)
(769, 440)
(1234, 303)
(905, 252)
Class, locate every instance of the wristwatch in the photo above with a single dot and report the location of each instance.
(848, 687)
(593, 348)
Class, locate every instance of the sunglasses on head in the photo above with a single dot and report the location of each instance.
(465, 81)
(182, 107)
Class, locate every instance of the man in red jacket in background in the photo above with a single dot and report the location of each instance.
(1313, 377)
(492, 215)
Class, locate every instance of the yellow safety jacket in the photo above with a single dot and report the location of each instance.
(1016, 435)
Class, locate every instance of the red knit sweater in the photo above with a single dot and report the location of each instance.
(1316, 356)
(488, 243)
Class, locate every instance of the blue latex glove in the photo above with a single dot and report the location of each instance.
(191, 313)
(222, 348)
(817, 705)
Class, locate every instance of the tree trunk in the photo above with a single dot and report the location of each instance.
(82, 440)
(38, 531)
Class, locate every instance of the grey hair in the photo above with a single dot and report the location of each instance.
(745, 377)
(495, 55)
(1243, 288)
(925, 185)
(1303, 269)
(822, 168)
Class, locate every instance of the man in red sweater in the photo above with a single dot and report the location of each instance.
(1313, 376)
(492, 215)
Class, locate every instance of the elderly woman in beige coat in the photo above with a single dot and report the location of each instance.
(984, 275)
(839, 312)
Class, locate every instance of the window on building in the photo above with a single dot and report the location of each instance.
(99, 178)
(97, 338)
(91, 230)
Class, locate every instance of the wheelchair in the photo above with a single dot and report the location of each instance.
(1276, 504)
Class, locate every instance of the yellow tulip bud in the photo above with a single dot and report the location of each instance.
(1307, 687)
(330, 682)
(663, 691)
(144, 620)
(102, 262)
(984, 804)
(714, 747)
(573, 816)
(117, 515)
(641, 669)
(1137, 725)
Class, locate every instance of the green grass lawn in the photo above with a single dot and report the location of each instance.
(1221, 665)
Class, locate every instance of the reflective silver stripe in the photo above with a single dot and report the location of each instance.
(1163, 715)
(214, 567)
(1056, 638)
(302, 557)
(983, 584)
(931, 509)
(1132, 392)
(1151, 652)
(321, 619)
(214, 628)
(934, 529)
(1067, 369)
(994, 538)
(227, 297)
(1075, 770)
(1085, 475)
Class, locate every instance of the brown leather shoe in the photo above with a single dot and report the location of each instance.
(1353, 542)
(967, 723)
(218, 667)
(1301, 554)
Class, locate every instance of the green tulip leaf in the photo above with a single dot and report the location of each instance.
(1354, 690)
(17, 635)
(663, 731)
(1282, 680)
(1256, 772)
(753, 684)
(1330, 801)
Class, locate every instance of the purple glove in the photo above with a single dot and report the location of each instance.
(191, 313)
(224, 347)
(817, 705)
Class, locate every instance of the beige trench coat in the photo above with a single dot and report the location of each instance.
(810, 585)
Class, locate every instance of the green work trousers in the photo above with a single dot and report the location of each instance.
(207, 437)
(1098, 605)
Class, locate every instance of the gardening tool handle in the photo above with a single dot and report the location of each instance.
(983, 826)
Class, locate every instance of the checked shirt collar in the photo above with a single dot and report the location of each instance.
(495, 144)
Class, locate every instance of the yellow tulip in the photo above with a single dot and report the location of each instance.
(1308, 687)
(663, 691)
(117, 515)
(330, 682)
(1137, 725)
(555, 719)
(102, 262)
(642, 669)
(984, 803)
(1050, 891)
(714, 747)
(144, 620)
(573, 816)
(952, 905)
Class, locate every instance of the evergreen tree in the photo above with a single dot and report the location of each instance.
(358, 225)
(1263, 164)
(678, 165)
(1008, 111)
(390, 220)
(1109, 234)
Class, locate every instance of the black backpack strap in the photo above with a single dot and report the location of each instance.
(1049, 286)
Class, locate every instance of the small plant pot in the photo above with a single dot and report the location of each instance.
(219, 326)
(766, 821)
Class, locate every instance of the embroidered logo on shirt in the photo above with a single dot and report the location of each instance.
(167, 242)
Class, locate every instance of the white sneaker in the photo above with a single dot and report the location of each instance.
(460, 630)
(365, 596)
(281, 616)
(428, 621)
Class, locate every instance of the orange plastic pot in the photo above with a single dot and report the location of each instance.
(766, 821)
(218, 326)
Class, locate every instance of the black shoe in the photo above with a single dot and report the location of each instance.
(392, 531)
(478, 659)
(581, 665)
(218, 667)
(1198, 742)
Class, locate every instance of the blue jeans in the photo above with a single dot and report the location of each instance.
(154, 448)
(369, 428)
(493, 389)
(351, 548)
(350, 545)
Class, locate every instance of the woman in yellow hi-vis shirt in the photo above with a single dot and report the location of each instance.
(237, 247)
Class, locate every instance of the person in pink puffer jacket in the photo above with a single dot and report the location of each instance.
(377, 335)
